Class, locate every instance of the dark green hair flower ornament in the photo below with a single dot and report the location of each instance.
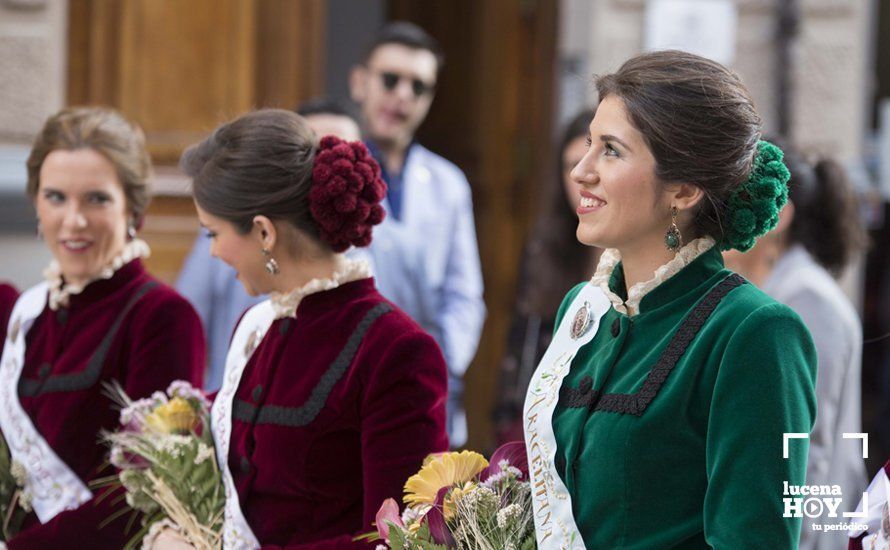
(754, 207)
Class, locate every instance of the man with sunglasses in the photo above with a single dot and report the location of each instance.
(425, 256)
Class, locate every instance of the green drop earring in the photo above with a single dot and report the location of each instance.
(673, 240)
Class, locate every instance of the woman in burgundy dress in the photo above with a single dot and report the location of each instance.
(98, 316)
(332, 396)
(8, 296)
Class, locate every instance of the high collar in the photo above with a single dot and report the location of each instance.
(694, 264)
(62, 294)
(102, 288)
(347, 271)
(330, 300)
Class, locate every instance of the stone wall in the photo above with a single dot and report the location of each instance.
(33, 52)
(830, 57)
(32, 62)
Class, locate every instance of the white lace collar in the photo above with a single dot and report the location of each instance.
(285, 305)
(60, 292)
(635, 294)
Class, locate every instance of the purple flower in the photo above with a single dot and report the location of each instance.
(435, 518)
(513, 453)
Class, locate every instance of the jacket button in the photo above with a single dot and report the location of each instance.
(284, 327)
(44, 370)
(257, 392)
(62, 316)
(245, 465)
(616, 328)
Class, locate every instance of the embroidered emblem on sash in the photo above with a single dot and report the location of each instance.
(253, 340)
(582, 321)
(14, 333)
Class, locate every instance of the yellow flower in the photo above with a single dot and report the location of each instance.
(450, 503)
(442, 470)
(174, 416)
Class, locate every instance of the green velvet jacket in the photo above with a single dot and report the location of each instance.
(698, 461)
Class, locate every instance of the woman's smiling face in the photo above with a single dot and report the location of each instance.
(622, 202)
(82, 210)
(243, 252)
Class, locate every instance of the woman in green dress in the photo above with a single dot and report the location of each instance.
(656, 419)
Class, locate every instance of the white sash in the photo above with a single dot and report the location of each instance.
(237, 534)
(51, 484)
(555, 526)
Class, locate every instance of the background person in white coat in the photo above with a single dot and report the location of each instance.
(424, 254)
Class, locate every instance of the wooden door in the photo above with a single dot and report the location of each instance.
(181, 67)
(492, 116)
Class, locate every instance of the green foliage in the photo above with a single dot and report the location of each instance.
(11, 514)
(168, 472)
(421, 540)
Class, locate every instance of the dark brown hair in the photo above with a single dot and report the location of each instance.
(108, 133)
(406, 34)
(699, 121)
(555, 259)
(826, 213)
(258, 164)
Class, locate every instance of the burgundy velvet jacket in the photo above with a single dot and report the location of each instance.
(159, 340)
(8, 296)
(335, 410)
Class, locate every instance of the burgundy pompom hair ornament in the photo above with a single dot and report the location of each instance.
(346, 193)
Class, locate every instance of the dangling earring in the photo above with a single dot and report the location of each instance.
(271, 264)
(673, 240)
(131, 230)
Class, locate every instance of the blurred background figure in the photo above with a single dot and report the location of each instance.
(819, 232)
(212, 286)
(429, 205)
(552, 262)
(516, 73)
(330, 117)
(8, 295)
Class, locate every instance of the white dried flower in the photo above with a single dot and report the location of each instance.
(156, 528)
(18, 471)
(181, 388)
(513, 471)
(136, 411)
(509, 515)
(204, 452)
(159, 398)
(174, 444)
(136, 496)
(480, 501)
(117, 458)
(25, 500)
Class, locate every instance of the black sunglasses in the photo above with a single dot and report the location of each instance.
(418, 87)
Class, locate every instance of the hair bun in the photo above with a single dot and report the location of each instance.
(346, 193)
(754, 207)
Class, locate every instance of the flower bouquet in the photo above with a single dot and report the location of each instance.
(14, 501)
(459, 500)
(167, 465)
